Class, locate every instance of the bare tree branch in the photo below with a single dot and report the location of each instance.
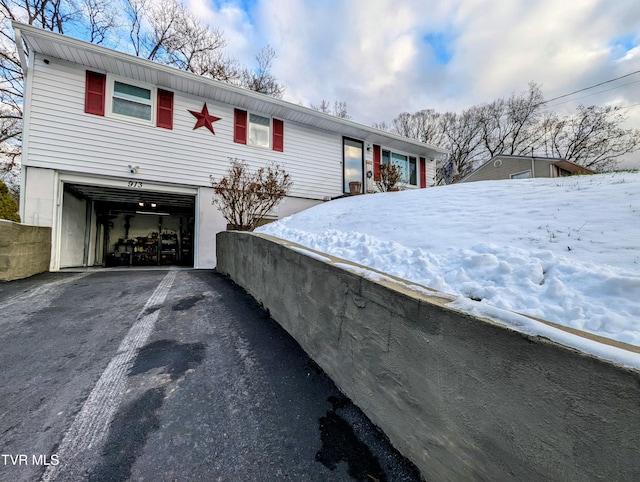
(245, 197)
(261, 79)
(338, 109)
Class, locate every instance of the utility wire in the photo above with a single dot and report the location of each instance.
(629, 106)
(591, 87)
(589, 95)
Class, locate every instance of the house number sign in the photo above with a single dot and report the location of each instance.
(135, 184)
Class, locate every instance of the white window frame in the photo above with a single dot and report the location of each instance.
(269, 135)
(110, 92)
(517, 175)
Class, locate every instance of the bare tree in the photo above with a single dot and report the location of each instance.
(134, 14)
(165, 20)
(591, 138)
(168, 33)
(382, 125)
(338, 109)
(424, 126)
(101, 19)
(324, 107)
(51, 15)
(510, 126)
(464, 142)
(261, 79)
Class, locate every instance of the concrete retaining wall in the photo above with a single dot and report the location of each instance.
(24, 250)
(463, 398)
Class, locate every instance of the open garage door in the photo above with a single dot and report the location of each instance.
(110, 226)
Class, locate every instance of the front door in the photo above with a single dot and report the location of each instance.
(353, 162)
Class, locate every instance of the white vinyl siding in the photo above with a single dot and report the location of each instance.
(430, 167)
(63, 137)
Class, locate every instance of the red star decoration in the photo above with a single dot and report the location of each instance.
(204, 118)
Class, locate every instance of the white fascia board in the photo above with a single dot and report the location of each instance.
(35, 36)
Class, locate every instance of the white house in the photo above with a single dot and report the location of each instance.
(118, 153)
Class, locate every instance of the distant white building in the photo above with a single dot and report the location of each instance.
(118, 152)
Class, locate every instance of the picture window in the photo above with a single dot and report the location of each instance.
(407, 165)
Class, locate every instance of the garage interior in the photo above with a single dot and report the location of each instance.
(107, 226)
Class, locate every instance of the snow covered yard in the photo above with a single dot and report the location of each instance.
(566, 250)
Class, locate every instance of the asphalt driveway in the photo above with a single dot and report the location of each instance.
(168, 376)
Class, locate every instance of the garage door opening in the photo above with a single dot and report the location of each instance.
(106, 226)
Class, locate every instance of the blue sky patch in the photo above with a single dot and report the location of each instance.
(244, 5)
(440, 45)
(625, 42)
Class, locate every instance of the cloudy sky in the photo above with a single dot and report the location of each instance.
(386, 57)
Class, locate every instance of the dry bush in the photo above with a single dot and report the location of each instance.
(245, 197)
(389, 178)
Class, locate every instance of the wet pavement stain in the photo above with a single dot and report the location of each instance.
(340, 443)
(175, 357)
(187, 303)
(128, 435)
(151, 310)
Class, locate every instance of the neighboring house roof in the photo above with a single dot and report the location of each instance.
(126, 65)
(568, 166)
(572, 167)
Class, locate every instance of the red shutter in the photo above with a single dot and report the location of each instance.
(376, 162)
(423, 172)
(164, 115)
(240, 126)
(94, 96)
(278, 135)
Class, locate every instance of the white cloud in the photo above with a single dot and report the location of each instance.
(374, 56)
(233, 22)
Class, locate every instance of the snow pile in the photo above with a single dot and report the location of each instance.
(566, 250)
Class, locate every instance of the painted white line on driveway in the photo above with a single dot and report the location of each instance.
(92, 422)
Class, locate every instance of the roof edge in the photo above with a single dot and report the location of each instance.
(25, 31)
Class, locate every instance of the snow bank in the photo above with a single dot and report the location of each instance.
(566, 250)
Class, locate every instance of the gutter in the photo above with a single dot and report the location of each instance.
(533, 167)
(369, 133)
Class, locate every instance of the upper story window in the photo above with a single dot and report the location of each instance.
(259, 131)
(136, 101)
(132, 101)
